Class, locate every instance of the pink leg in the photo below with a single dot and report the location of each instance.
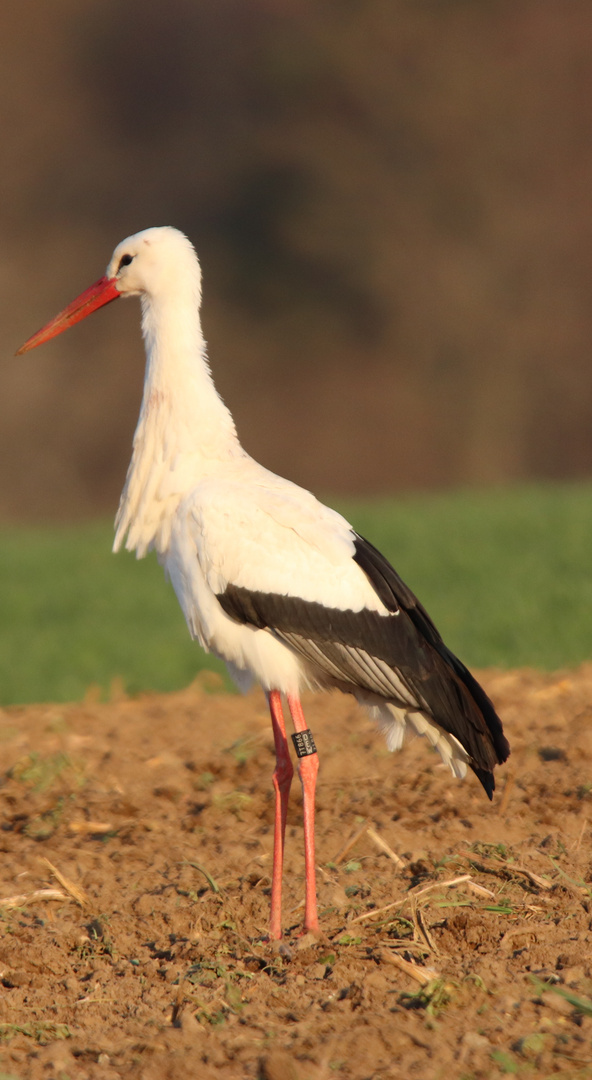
(282, 779)
(308, 768)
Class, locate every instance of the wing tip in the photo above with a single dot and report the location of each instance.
(487, 780)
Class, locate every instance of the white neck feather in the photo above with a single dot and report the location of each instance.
(184, 428)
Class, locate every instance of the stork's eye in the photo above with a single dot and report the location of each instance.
(125, 260)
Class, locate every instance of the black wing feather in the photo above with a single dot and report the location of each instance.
(405, 645)
(384, 577)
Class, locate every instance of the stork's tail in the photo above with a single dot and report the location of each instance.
(395, 724)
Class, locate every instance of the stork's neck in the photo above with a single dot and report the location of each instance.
(184, 429)
(181, 406)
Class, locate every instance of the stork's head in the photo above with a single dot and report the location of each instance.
(155, 263)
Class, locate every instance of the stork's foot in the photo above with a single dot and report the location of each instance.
(281, 948)
(309, 938)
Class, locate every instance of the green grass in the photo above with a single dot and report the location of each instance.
(505, 574)
(72, 615)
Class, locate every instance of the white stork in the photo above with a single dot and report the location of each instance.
(278, 585)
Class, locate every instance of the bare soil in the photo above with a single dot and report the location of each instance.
(150, 823)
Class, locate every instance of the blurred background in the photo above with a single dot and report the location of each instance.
(392, 204)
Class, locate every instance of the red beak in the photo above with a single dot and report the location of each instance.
(102, 292)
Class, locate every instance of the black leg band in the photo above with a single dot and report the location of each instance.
(304, 743)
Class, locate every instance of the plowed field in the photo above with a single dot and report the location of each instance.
(136, 842)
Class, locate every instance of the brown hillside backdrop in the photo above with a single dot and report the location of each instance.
(392, 202)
